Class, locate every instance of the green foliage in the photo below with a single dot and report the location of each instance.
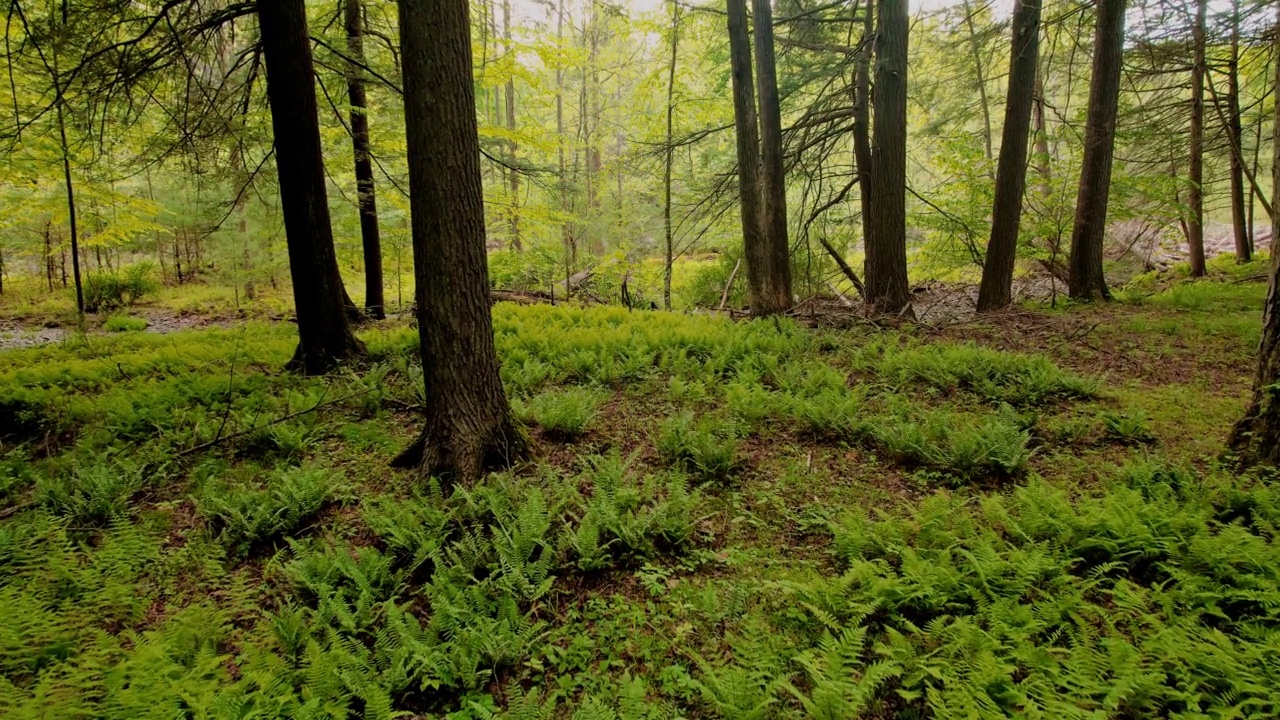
(247, 520)
(113, 290)
(566, 413)
(1126, 428)
(91, 495)
(963, 447)
(124, 323)
(707, 447)
(998, 377)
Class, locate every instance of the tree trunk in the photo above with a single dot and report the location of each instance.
(373, 300)
(773, 185)
(975, 49)
(513, 177)
(566, 231)
(1235, 136)
(669, 260)
(862, 118)
(885, 269)
(324, 332)
(1011, 176)
(1256, 438)
(1195, 193)
(747, 130)
(468, 425)
(71, 195)
(1087, 279)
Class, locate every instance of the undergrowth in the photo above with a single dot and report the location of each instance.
(727, 520)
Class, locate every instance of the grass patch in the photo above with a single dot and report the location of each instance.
(124, 323)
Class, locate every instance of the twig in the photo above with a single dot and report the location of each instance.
(15, 509)
(724, 298)
(290, 416)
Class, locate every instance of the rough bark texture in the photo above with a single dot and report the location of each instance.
(885, 269)
(747, 131)
(468, 422)
(374, 303)
(1256, 438)
(773, 185)
(324, 333)
(1235, 133)
(862, 118)
(1011, 175)
(1195, 166)
(1087, 279)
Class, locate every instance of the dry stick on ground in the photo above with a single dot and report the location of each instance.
(724, 297)
(290, 416)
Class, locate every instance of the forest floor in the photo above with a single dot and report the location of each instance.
(1022, 515)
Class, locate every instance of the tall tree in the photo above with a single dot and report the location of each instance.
(886, 243)
(862, 116)
(513, 176)
(746, 128)
(325, 336)
(468, 422)
(1235, 133)
(669, 258)
(1195, 167)
(1087, 279)
(1011, 175)
(1256, 438)
(773, 181)
(373, 301)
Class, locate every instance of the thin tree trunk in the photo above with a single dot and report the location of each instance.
(1087, 279)
(71, 207)
(669, 260)
(747, 131)
(1195, 193)
(369, 235)
(513, 177)
(984, 103)
(885, 269)
(325, 336)
(773, 181)
(1235, 136)
(862, 118)
(566, 232)
(1256, 438)
(1011, 177)
(468, 425)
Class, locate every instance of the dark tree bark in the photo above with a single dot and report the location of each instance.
(885, 269)
(1087, 279)
(862, 117)
(1256, 438)
(1195, 167)
(374, 303)
(325, 336)
(746, 128)
(1011, 175)
(980, 82)
(468, 422)
(1235, 133)
(773, 181)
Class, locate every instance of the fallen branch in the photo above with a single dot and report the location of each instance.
(724, 297)
(255, 428)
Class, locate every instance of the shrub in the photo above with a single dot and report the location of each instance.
(1126, 428)
(563, 413)
(92, 495)
(108, 291)
(955, 445)
(246, 520)
(706, 447)
(999, 377)
(124, 323)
